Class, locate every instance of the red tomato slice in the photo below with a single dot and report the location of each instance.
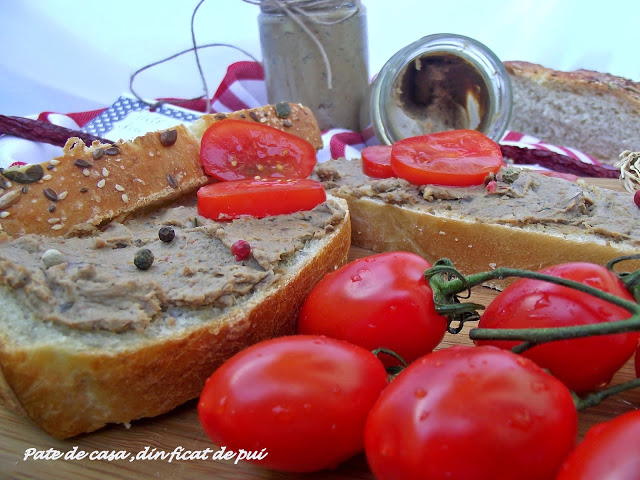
(258, 198)
(456, 158)
(237, 149)
(376, 161)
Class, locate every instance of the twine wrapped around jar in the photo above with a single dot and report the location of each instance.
(300, 11)
(315, 52)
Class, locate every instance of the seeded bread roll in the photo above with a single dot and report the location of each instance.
(594, 112)
(90, 185)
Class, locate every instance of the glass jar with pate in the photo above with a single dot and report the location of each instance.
(440, 82)
(315, 52)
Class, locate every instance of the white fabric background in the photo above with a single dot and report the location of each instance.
(77, 55)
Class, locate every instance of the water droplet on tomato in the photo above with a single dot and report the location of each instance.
(423, 416)
(420, 393)
(542, 302)
(356, 278)
(520, 420)
(539, 387)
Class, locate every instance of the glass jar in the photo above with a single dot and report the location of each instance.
(440, 82)
(296, 69)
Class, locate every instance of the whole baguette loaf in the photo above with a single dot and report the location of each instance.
(529, 221)
(90, 185)
(595, 112)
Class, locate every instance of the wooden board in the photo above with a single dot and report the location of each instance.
(181, 429)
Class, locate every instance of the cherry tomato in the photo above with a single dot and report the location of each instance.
(376, 161)
(456, 157)
(610, 450)
(237, 149)
(304, 399)
(382, 300)
(258, 198)
(583, 364)
(473, 413)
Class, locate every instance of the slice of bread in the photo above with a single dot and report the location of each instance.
(89, 339)
(103, 319)
(594, 112)
(88, 186)
(529, 222)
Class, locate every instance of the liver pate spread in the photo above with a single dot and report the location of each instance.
(94, 284)
(522, 198)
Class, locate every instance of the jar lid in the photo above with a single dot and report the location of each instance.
(440, 82)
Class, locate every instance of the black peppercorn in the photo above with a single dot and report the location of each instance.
(143, 259)
(166, 234)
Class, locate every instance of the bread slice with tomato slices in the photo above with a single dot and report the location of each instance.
(129, 319)
(522, 220)
(90, 185)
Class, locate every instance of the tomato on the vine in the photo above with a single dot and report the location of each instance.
(376, 161)
(455, 157)
(238, 149)
(583, 364)
(259, 198)
(379, 301)
(303, 399)
(478, 413)
(610, 450)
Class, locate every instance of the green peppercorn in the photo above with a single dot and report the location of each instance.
(143, 259)
(166, 234)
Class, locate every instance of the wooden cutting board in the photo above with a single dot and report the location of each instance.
(180, 428)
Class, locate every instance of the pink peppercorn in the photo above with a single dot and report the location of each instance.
(241, 250)
(491, 186)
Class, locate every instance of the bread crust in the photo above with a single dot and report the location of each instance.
(576, 109)
(472, 247)
(82, 190)
(595, 82)
(67, 393)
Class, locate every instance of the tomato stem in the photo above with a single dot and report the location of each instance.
(392, 370)
(631, 280)
(447, 283)
(596, 398)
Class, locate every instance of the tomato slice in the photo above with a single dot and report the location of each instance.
(238, 149)
(376, 161)
(258, 198)
(456, 158)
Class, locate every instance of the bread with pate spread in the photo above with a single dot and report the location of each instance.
(595, 112)
(529, 221)
(88, 339)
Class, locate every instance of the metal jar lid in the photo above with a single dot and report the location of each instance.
(440, 82)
